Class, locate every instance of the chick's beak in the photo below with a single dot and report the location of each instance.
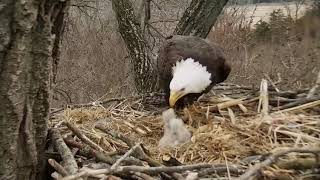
(175, 96)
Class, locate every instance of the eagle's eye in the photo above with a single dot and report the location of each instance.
(182, 89)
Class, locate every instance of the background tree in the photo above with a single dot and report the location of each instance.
(130, 30)
(197, 20)
(30, 33)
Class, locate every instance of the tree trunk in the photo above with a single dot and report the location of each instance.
(199, 17)
(130, 30)
(29, 44)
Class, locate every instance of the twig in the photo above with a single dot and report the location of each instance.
(273, 158)
(60, 169)
(81, 136)
(127, 154)
(70, 163)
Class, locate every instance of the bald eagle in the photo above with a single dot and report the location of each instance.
(188, 67)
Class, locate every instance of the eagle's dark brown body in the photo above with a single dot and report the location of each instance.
(182, 47)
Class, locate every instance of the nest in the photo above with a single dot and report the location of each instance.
(237, 125)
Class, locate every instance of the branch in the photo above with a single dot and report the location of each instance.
(297, 103)
(100, 103)
(115, 135)
(147, 170)
(81, 136)
(70, 163)
(88, 151)
(199, 17)
(143, 176)
(127, 154)
(273, 158)
(218, 169)
(60, 169)
(301, 107)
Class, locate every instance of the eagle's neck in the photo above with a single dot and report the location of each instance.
(190, 76)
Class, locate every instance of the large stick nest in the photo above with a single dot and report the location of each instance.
(235, 125)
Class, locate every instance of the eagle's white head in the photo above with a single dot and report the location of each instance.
(189, 76)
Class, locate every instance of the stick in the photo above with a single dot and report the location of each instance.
(143, 176)
(298, 164)
(298, 102)
(263, 100)
(232, 116)
(148, 170)
(76, 176)
(273, 158)
(272, 83)
(288, 94)
(301, 135)
(115, 135)
(127, 154)
(230, 103)
(60, 169)
(160, 169)
(138, 153)
(83, 137)
(70, 163)
(301, 107)
(95, 103)
(217, 169)
(315, 87)
(99, 103)
(88, 151)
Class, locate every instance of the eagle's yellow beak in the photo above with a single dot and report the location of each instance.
(175, 96)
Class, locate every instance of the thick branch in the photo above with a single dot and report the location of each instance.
(70, 163)
(199, 17)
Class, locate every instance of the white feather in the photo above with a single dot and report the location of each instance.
(190, 75)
